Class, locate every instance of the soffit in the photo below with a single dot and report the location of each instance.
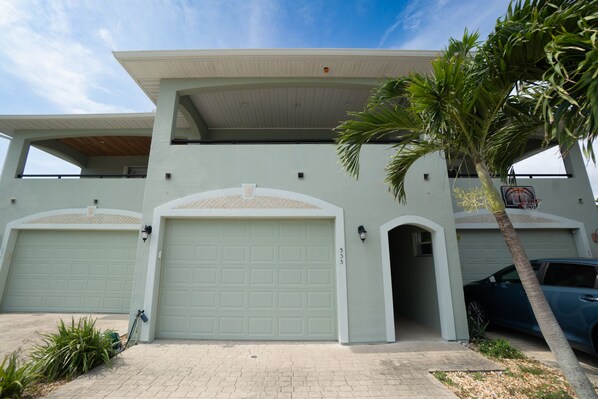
(147, 68)
(279, 107)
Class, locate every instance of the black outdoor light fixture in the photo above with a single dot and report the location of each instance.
(362, 233)
(147, 230)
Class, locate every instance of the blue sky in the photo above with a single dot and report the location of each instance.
(56, 56)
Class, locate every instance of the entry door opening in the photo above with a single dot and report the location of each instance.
(414, 292)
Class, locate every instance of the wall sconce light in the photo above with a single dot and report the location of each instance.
(362, 233)
(147, 230)
(595, 236)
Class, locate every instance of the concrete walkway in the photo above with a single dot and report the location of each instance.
(21, 330)
(225, 369)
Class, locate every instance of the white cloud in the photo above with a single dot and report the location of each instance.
(427, 24)
(41, 48)
(106, 37)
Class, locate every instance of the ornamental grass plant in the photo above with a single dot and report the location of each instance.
(15, 377)
(75, 349)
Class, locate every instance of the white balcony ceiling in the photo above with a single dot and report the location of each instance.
(276, 88)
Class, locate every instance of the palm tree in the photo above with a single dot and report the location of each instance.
(473, 114)
(552, 47)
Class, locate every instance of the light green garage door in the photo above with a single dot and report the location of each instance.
(71, 271)
(483, 252)
(248, 279)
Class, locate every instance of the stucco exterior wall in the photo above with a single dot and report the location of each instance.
(112, 165)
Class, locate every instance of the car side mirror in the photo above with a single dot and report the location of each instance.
(492, 279)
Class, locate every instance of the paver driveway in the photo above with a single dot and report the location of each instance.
(20, 330)
(225, 369)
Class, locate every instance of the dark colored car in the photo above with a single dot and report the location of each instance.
(569, 285)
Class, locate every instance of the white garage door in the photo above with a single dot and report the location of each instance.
(248, 279)
(71, 271)
(484, 252)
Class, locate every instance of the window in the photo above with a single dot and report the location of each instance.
(570, 275)
(422, 243)
(136, 171)
(510, 276)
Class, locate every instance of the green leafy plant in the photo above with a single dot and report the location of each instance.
(500, 349)
(14, 377)
(443, 377)
(477, 331)
(560, 394)
(74, 349)
(534, 370)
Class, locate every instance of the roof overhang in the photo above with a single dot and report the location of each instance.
(147, 68)
(100, 122)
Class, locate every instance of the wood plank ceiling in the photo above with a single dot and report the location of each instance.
(110, 145)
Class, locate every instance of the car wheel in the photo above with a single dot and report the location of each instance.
(477, 312)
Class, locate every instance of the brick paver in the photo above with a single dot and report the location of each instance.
(215, 369)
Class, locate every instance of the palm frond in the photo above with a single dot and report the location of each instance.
(369, 125)
(391, 91)
(400, 163)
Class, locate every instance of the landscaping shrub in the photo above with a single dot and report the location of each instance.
(499, 348)
(74, 349)
(477, 331)
(14, 378)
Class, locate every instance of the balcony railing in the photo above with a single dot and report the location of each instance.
(75, 176)
(453, 174)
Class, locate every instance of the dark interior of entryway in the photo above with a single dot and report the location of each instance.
(415, 297)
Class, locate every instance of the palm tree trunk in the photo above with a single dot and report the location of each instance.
(552, 332)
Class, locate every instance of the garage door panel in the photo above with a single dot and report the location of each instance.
(261, 326)
(264, 230)
(232, 300)
(261, 300)
(205, 276)
(290, 277)
(319, 276)
(319, 300)
(263, 254)
(71, 271)
(231, 325)
(291, 254)
(204, 300)
(202, 325)
(291, 326)
(259, 284)
(262, 277)
(230, 253)
(483, 252)
(291, 231)
(232, 277)
(319, 254)
(319, 326)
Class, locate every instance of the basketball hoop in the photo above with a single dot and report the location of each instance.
(530, 205)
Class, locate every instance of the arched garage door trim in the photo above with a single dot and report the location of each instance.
(262, 203)
(445, 300)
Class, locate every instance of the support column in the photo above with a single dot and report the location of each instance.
(16, 157)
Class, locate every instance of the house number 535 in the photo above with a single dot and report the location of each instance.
(342, 256)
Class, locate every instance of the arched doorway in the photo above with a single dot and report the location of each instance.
(414, 254)
(415, 301)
